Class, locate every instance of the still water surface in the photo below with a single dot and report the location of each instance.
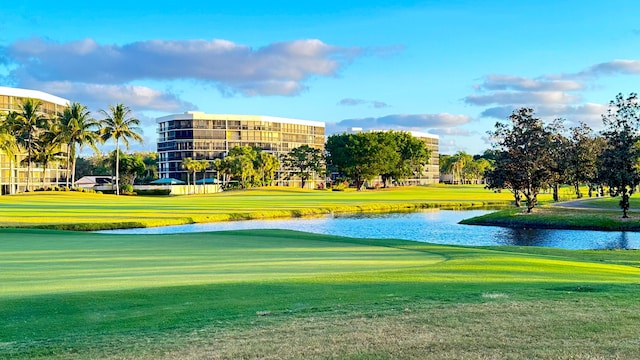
(434, 226)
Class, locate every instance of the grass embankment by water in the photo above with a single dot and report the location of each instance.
(81, 211)
(275, 294)
(589, 214)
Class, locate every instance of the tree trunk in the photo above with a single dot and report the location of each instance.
(73, 170)
(68, 172)
(531, 202)
(556, 189)
(624, 204)
(517, 198)
(117, 167)
(29, 163)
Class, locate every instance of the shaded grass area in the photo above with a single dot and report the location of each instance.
(84, 212)
(283, 294)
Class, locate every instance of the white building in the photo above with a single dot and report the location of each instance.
(200, 136)
(13, 174)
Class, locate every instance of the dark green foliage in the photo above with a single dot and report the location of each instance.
(363, 156)
(582, 158)
(619, 158)
(249, 166)
(303, 162)
(524, 156)
(156, 192)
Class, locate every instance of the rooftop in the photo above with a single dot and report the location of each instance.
(197, 115)
(35, 94)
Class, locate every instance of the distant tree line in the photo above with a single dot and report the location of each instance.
(465, 168)
(530, 156)
(391, 155)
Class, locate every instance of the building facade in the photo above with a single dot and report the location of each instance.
(199, 136)
(13, 172)
(431, 172)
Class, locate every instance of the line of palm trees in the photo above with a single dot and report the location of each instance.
(46, 139)
(195, 166)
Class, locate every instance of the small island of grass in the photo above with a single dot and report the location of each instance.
(589, 214)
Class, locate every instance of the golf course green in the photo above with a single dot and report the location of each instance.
(275, 294)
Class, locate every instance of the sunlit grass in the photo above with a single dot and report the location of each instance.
(82, 211)
(86, 295)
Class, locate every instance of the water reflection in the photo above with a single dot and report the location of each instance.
(432, 225)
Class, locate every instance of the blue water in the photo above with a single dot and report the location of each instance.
(434, 226)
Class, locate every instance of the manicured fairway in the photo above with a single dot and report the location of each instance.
(92, 211)
(282, 294)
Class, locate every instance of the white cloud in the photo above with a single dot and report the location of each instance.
(589, 113)
(99, 96)
(355, 102)
(510, 82)
(614, 67)
(406, 121)
(525, 98)
(279, 68)
(453, 132)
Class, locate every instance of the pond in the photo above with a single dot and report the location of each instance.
(434, 226)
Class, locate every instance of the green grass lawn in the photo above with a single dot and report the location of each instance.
(274, 294)
(593, 214)
(82, 211)
(280, 294)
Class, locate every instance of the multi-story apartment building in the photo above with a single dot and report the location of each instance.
(431, 174)
(13, 174)
(209, 136)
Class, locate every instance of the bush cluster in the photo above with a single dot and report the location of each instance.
(64, 189)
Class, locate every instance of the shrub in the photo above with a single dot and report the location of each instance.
(154, 192)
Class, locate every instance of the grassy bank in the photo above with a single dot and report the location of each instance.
(591, 214)
(82, 211)
(281, 294)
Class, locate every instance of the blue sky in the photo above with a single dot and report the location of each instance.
(451, 68)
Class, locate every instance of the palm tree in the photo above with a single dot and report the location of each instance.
(119, 125)
(187, 164)
(204, 165)
(25, 124)
(9, 147)
(217, 166)
(47, 149)
(77, 128)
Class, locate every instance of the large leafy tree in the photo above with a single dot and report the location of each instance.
(354, 155)
(456, 165)
(388, 154)
(77, 129)
(582, 158)
(240, 163)
(523, 163)
(266, 165)
(619, 159)
(119, 124)
(303, 162)
(414, 155)
(559, 147)
(24, 124)
(131, 166)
